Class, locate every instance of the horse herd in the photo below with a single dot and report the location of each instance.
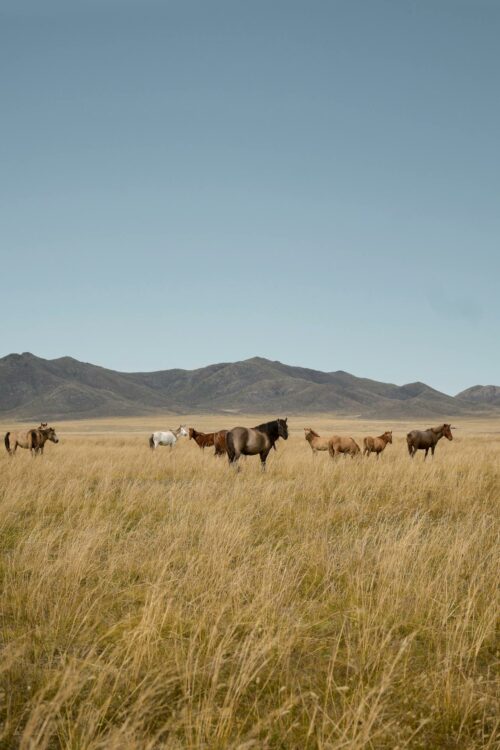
(251, 441)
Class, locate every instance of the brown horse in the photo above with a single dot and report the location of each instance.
(425, 440)
(376, 444)
(248, 441)
(202, 439)
(345, 445)
(220, 442)
(34, 440)
(316, 442)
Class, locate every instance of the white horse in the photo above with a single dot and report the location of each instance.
(167, 438)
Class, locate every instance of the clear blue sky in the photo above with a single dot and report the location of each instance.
(190, 182)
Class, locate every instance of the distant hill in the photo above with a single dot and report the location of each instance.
(482, 395)
(33, 388)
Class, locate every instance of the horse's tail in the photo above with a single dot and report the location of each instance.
(151, 442)
(357, 449)
(231, 451)
(7, 441)
(409, 443)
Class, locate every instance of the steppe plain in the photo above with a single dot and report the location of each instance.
(159, 600)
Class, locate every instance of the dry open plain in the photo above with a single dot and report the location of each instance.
(159, 600)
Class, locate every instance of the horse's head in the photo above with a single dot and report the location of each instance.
(282, 428)
(447, 431)
(191, 433)
(388, 436)
(182, 431)
(50, 433)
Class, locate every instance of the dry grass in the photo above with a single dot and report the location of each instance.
(161, 601)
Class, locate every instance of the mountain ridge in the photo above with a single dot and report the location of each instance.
(65, 388)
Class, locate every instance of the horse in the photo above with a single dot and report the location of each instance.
(345, 445)
(169, 437)
(425, 440)
(40, 436)
(202, 439)
(34, 440)
(316, 442)
(376, 444)
(220, 442)
(248, 441)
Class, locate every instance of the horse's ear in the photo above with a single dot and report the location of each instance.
(286, 420)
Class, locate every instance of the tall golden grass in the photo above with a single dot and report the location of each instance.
(159, 600)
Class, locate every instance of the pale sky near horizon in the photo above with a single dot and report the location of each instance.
(188, 182)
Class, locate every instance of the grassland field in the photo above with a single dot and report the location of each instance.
(160, 600)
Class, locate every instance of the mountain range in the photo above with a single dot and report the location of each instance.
(32, 388)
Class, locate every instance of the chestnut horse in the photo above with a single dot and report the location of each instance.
(248, 441)
(220, 442)
(425, 440)
(34, 440)
(202, 439)
(345, 445)
(376, 444)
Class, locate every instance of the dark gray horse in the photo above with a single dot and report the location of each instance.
(248, 441)
(425, 440)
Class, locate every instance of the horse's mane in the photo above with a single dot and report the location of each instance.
(314, 433)
(267, 426)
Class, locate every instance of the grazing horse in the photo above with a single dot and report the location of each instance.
(345, 445)
(248, 441)
(425, 440)
(220, 442)
(376, 444)
(202, 439)
(169, 437)
(316, 442)
(33, 439)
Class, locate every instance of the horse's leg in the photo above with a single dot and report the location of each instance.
(433, 448)
(263, 458)
(233, 457)
(426, 452)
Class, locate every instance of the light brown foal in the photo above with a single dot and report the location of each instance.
(376, 444)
